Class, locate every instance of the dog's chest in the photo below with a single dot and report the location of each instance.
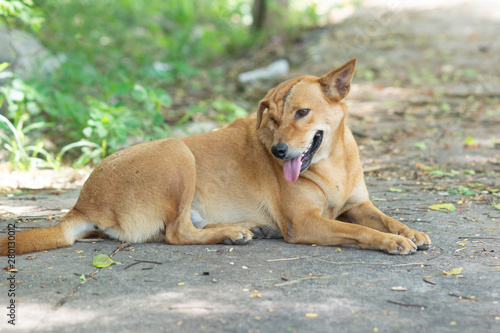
(335, 201)
(331, 195)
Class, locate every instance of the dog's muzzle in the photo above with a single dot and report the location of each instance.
(294, 165)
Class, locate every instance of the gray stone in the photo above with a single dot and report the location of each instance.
(275, 69)
(25, 54)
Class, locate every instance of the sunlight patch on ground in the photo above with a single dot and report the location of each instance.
(38, 317)
(66, 178)
(22, 210)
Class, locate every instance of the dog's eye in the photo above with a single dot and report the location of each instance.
(301, 113)
(274, 121)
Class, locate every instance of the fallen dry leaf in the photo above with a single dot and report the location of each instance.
(443, 207)
(454, 271)
(399, 288)
(102, 260)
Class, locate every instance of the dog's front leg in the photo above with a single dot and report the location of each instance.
(315, 229)
(368, 215)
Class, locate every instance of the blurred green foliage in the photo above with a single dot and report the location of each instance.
(18, 13)
(118, 59)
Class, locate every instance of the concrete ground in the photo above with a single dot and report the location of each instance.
(267, 286)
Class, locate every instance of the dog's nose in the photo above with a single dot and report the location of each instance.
(279, 150)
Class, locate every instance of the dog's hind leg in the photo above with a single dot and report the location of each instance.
(179, 228)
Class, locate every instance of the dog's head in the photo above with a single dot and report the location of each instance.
(304, 114)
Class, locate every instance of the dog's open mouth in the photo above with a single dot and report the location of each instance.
(293, 167)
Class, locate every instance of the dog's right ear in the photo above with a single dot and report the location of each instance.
(263, 105)
(337, 83)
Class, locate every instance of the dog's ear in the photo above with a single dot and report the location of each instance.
(263, 105)
(337, 83)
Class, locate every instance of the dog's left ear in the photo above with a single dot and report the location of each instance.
(263, 105)
(337, 83)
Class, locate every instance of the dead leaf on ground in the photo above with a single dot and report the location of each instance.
(399, 288)
(443, 207)
(454, 271)
(102, 260)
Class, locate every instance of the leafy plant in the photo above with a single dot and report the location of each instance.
(24, 156)
(228, 111)
(225, 111)
(110, 125)
(21, 102)
(24, 11)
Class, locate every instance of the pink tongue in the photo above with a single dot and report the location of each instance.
(291, 169)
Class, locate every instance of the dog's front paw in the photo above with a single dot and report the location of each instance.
(419, 238)
(395, 244)
(238, 236)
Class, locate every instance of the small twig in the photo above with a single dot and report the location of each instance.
(286, 259)
(119, 247)
(410, 264)
(132, 264)
(149, 262)
(188, 307)
(8, 283)
(440, 254)
(370, 263)
(267, 280)
(301, 279)
(141, 261)
(463, 237)
(379, 167)
(353, 262)
(462, 297)
(430, 282)
(408, 305)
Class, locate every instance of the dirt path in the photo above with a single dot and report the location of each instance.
(425, 107)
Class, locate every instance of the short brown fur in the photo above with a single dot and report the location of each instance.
(229, 182)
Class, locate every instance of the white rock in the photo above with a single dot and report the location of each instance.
(275, 69)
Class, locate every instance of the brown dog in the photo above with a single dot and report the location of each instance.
(293, 172)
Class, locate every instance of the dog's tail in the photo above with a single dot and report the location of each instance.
(71, 227)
